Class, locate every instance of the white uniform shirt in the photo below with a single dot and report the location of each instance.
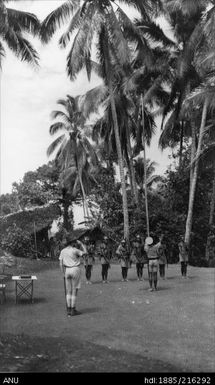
(70, 256)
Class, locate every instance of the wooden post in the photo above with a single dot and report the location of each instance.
(35, 240)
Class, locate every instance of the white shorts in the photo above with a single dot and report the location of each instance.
(73, 277)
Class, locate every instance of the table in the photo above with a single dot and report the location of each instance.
(24, 284)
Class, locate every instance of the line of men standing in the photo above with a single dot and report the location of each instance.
(154, 256)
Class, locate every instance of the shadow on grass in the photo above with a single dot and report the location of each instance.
(27, 301)
(160, 288)
(89, 310)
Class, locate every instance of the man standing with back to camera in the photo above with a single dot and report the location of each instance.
(70, 265)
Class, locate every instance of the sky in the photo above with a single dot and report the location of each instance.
(27, 97)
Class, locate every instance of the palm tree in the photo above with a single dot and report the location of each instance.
(96, 21)
(140, 170)
(187, 75)
(205, 95)
(75, 154)
(13, 25)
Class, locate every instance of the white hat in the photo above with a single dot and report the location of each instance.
(149, 240)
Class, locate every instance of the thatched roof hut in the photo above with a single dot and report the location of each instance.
(31, 220)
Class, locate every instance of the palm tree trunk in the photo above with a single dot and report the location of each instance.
(129, 173)
(83, 194)
(211, 216)
(145, 176)
(181, 144)
(131, 168)
(120, 160)
(193, 183)
(212, 203)
(193, 151)
(66, 222)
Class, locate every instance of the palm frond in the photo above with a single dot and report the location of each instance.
(23, 21)
(144, 7)
(201, 93)
(92, 100)
(170, 135)
(53, 146)
(81, 46)
(54, 128)
(155, 33)
(117, 40)
(89, 150)
(2, 54)
(153, 179)
(56, 18)
(62, 115)
(21, 47)
(74, 24)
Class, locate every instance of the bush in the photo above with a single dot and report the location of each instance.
(17, 241)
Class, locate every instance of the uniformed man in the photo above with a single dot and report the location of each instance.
(138, 255)
(123, 254)
(89, 259)
(105, 255)
(70, 265)
(162, 253)
(153, 257)
(183, 256)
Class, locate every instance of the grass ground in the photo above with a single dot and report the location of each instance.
(123, 327)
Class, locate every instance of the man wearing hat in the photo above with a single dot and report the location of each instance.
(89, 259)
(70, 265)
(153, 257)
(105, 255)
(123, 254)
(183, 256)
(138, 254)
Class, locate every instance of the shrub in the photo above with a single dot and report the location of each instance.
(17, 241)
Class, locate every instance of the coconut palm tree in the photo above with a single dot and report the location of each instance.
(187, 75)
(96, 22)
(13, 25)
(205, 95)
(75, 154)
(151, 178)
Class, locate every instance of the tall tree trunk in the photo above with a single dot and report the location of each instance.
(83, 194)
(120, 160)
(189, 220)
(145, 176)
(192, 151)
(66, 222)
(131, 167)
(129, 173)
(212, 203)
(211, 216)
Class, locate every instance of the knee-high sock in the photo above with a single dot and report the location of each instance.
(155, 279)
(150, 279)
(69, 300)
(73, 300)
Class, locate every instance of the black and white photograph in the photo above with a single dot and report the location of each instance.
(107, 189)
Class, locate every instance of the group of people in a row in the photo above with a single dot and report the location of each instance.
(140, 253)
